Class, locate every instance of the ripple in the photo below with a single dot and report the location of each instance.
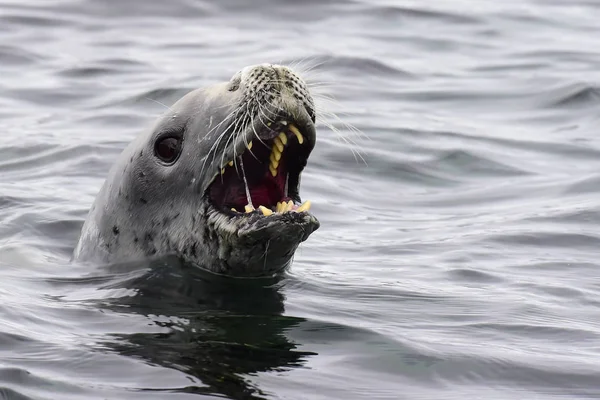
(574, 95)
(17, 56)
(589, 184)
(10, 394)
(473, 275)
(549, 239)
(359, 66)
(468, 164)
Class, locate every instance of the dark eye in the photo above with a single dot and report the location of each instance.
(168, 149)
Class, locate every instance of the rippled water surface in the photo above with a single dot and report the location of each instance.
(460, 259)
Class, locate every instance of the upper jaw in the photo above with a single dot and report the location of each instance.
(271, 121)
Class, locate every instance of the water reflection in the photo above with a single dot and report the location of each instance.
(221, 329)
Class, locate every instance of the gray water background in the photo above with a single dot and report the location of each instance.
(460, 261)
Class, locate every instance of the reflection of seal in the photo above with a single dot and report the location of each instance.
(221, 331)
(216, 181)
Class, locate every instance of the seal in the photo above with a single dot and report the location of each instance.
(214, 182)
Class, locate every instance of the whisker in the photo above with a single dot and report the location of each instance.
(158, 102)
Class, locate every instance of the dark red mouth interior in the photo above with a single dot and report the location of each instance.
(229, 191)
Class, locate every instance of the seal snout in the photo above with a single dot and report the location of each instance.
(277, 87)
(273, 136)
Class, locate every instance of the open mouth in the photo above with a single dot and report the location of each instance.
(264, 179)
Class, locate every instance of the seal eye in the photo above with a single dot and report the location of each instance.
(168, 149)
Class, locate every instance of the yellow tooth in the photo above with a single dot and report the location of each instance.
(279, 208)
(304, 207)
(283, 137)
(249, 208)
(277, 144)
(273, 158)
(269, 123)
(249, 146)
(222, 171)
(230, 163)
(277, 154)
(266, 212)
(273, 170)
(233, 209)
(296, 132)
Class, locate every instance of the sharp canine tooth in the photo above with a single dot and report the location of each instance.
(249, 146)
(249, 208)
(304, 207)
(283, 137)
(296, 132)
(222, 171)
(230, 163)
(269, 123)
(290, 204)
(233, 209)
(266, 212)
(273, 170)
(277, 142)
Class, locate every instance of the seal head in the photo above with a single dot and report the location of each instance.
(216, 181)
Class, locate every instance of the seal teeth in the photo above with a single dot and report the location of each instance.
(296, 132)
(230, 163)
(304, 207)
(266, 212)
(249, 145)
(280, 206)
(283, 137)
(283, 206)
(276, 152)
(249, 208)
(277, 144)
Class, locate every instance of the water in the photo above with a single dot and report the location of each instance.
(460, 261)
